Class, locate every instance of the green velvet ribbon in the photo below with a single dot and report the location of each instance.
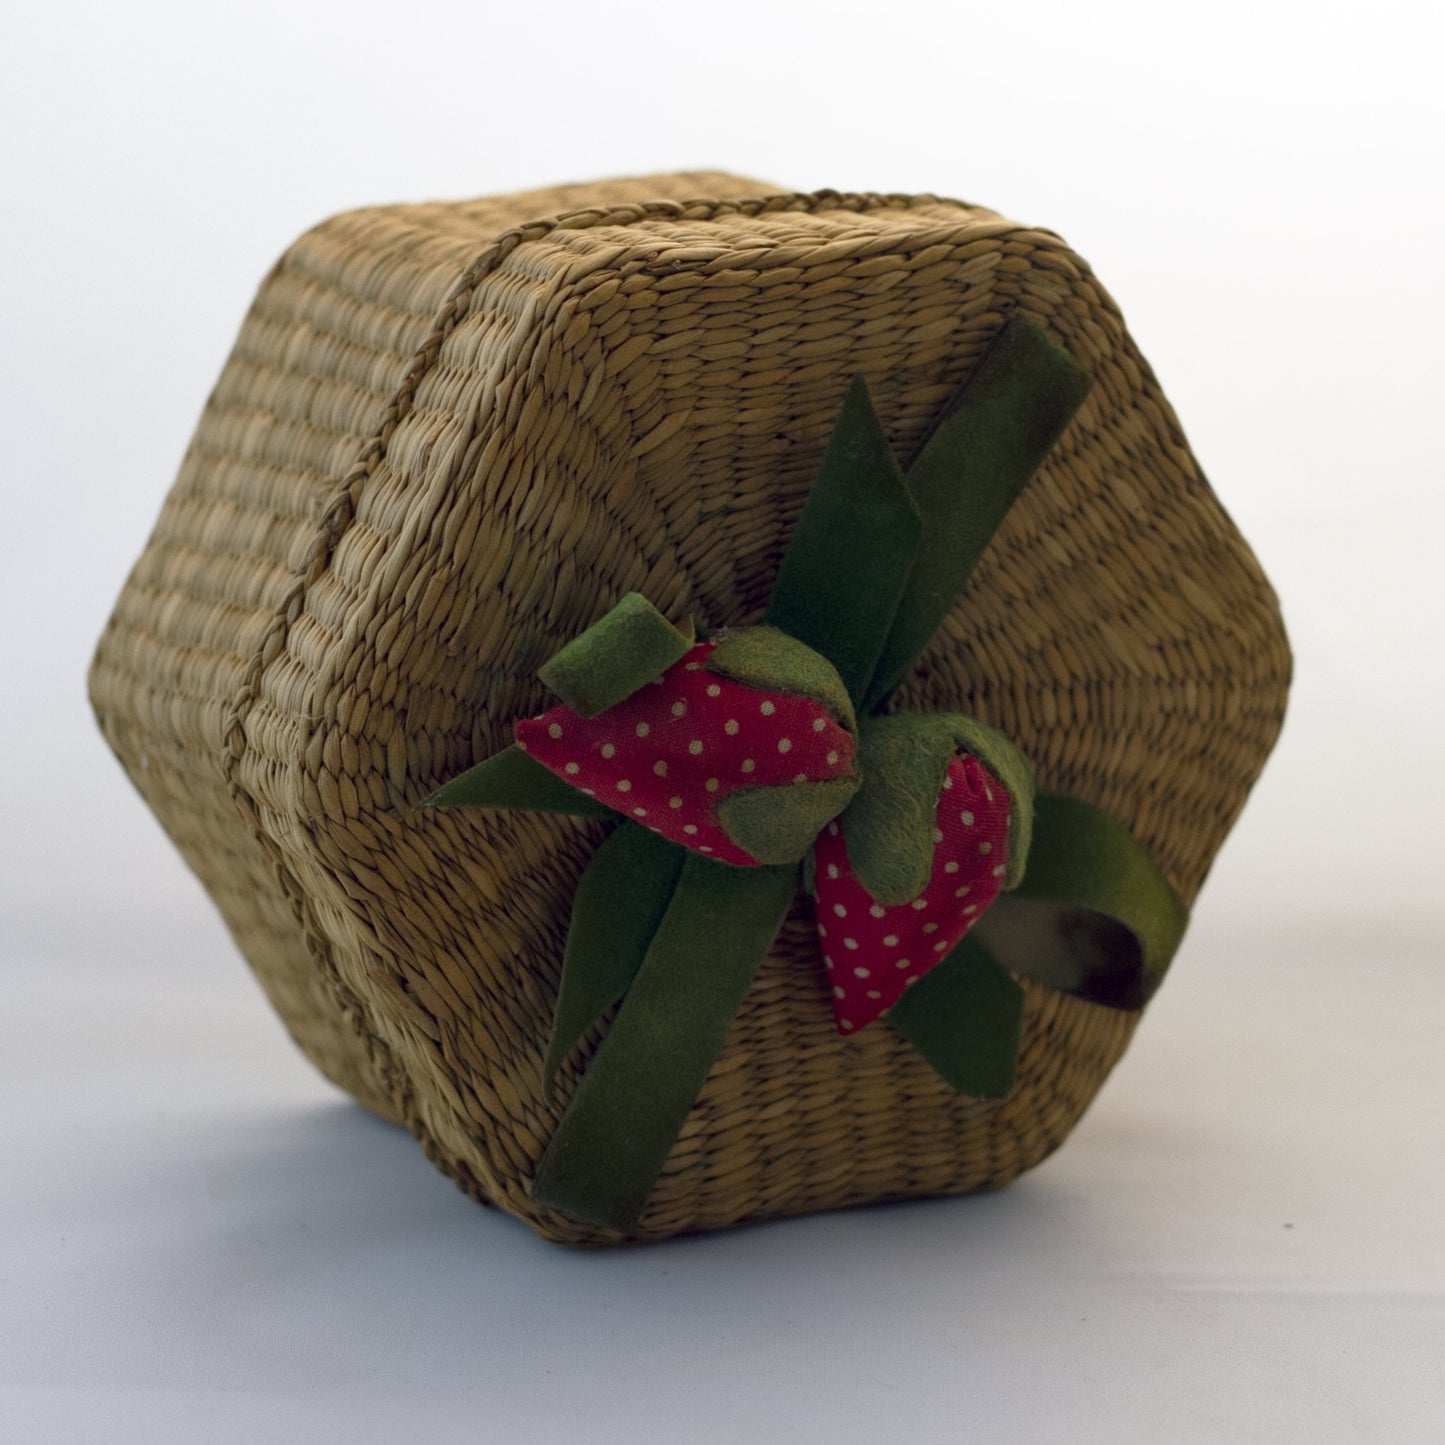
(878, 558)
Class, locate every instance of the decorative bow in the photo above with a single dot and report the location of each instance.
(729, 760)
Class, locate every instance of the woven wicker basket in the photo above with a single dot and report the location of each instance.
(449, 436)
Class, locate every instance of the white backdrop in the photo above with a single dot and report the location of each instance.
(1244, 1240)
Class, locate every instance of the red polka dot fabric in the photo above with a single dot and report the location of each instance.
(872, 952)
(670, 753)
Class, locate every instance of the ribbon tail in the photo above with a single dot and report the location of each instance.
(512, 780)
(1093, 916)
(618, 654)
(620, 902)
(965, 1017)
(850, 557)
(618, 1130)
(1004, 420)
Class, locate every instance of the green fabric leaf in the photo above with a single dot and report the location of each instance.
(965, 1017)
(849, 560)
(903, 759)
(620, 902)
(630, 646)
(1093, 915)
(627, 1111)
(779, 824)
(1000, 427)
(512, 780)
(766, 658)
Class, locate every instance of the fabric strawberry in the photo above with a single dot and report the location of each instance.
(743, 773)
(873, 951)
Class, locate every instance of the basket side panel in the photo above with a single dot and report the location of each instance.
(316, 362)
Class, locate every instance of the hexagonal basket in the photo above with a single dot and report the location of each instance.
(448, 438)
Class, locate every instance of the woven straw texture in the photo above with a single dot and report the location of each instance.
(449, 437)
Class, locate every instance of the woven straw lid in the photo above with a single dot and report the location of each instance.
(449, 438)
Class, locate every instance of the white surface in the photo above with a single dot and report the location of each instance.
(1243, 1241)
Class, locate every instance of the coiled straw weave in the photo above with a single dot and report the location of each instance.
(451, 436)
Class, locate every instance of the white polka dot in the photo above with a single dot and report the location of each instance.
(985, 847)
(966, 818)
(832, 827)
(1000, 870)
(679, 708)
(988, 792)
(902, 963)
(822, 930)
(832, 870)
(819, 723)
(877, 910)
(608, 751)
(837, 992)
(624, 786)
(767, 709)
(846, 1025)
(674, 802)
(695, 747)
(972, 908)
(919, 903)
(850, 943)
(730, 727)
(827, 961)
(785, 745)
(937, 836)
(839, 910)
(947, 780)
(639, 812)
(860, 973)
(521, 746)
(554, 730)
(703, 848)
(713, 690)
(748, 765)
(660, 768)
(832, 759)
(910, 982)
(588, 792)
(571, 769)
(890, 940)
(930, 928)
(689, 829)
(694, 667)
(712, 785)
(941, 947)
(950, 867)
(642, 730)
(873, 993)
(962, 892)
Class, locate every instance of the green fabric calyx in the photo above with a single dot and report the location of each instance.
(903, 759)
(765, 658)
(779, 824)
(630, 646)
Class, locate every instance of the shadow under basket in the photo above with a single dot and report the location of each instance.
(448, 438)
